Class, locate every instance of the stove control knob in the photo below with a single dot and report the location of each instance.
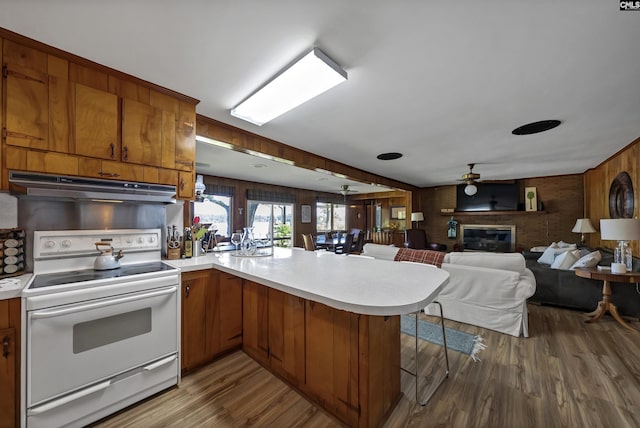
(141, 240)
(50, 244)
(128, 241)
(66, 243)
(152, 240)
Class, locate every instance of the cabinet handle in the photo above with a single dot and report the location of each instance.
(182, 183)
(112, 146)
(126, 153)
(5, 346)
(187, 290)
(189, 124)
(108, 174)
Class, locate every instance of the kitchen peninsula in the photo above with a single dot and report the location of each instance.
(327, 324)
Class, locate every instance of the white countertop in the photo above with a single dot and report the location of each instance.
(9, 290)
(355, 284)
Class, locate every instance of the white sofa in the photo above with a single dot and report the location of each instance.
(488, 290)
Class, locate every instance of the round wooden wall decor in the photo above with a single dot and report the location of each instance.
(621, 197)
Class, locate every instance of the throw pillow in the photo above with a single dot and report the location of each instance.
(565, 260)
(590, 260)
(420, 256)
(549, 254)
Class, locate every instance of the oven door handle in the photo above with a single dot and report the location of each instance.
(58, 312)
(68, 398)
(160, 363)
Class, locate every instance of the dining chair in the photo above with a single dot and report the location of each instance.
(345, 247)
(309, 245)
(357, 246)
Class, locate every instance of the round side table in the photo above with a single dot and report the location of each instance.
(605, 305)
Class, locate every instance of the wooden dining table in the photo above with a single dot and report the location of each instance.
(322, 243)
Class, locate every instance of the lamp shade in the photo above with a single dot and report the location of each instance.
(620, 229)
(583, 225)
(417, 216)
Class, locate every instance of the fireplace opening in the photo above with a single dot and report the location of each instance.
(488, 237)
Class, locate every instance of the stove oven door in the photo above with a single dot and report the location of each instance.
(72, 346)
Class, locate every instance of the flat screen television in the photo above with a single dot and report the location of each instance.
(490, 197)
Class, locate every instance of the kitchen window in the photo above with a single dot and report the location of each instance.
(216, 211)
(330, 216)
(270, 219)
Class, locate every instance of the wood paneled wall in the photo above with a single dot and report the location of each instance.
(597, 184)
(563, 201)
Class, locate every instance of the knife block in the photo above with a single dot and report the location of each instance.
(173, 253)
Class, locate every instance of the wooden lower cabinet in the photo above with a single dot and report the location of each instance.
(230, 298)
(348, 364)
(9, 363)
(211, 316)
(332, 360)
(255, 321)
(287, 336)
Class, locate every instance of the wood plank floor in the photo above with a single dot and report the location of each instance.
(567, 374)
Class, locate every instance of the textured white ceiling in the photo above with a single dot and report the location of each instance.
(443, 82)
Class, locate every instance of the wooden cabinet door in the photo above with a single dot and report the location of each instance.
(194, 319)
(255, 322)
(230, 298)
(185, 142)
(168, 139)
(186, 185)
(286, 335)
(27, 112)
(141, 133)
(96, 123)
(332, 359)
(10, 328)
(8, 378)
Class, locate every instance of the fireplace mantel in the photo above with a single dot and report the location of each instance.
(471, 213)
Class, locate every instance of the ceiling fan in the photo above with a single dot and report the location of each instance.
(344, 190)
(471, 179)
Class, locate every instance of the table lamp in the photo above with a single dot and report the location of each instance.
(583, 225)
(417, 217)
(622, 230)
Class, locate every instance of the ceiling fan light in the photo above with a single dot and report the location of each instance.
(470, 189)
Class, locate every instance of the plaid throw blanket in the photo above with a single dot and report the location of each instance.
(420, 256)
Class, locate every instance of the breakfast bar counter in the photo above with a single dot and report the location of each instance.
(329, 325)
(355, 284)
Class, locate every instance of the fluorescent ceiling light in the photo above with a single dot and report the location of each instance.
(311, 75)
(211, 141)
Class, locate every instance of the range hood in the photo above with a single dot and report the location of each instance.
(28, 184)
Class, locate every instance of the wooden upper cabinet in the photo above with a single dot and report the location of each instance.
(27, 122)
(186, 185)
(186, 138)
(37, 99)
(142, 127)
(96, 122)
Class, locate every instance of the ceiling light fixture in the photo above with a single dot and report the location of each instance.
(389, 156)
(535, 127)
(309, 76)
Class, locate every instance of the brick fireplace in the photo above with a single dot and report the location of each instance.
(498, 238)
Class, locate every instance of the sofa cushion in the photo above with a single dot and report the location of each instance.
(590, 260)
(565, 260)
(379, 251)
(506, 261)
(420, 256)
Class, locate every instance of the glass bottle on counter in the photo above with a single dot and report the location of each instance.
(188, 243)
